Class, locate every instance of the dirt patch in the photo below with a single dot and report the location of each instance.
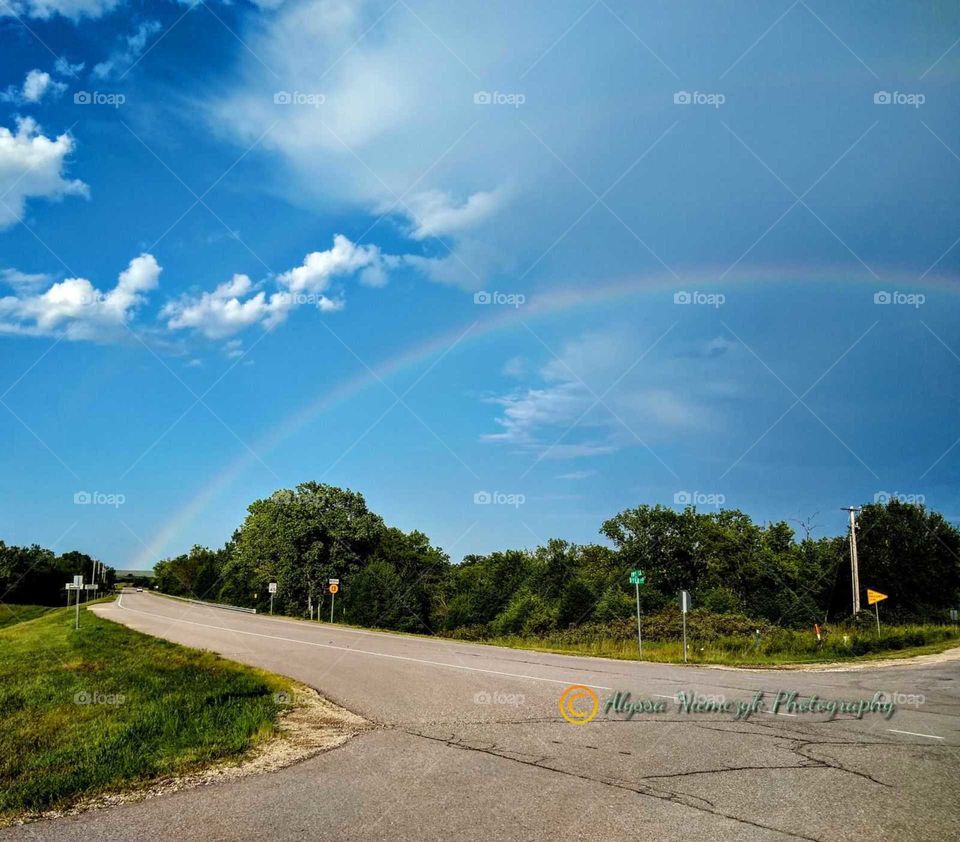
(312, 725)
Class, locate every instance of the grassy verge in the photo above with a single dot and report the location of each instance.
(782, 648)
(778, 646)
(108, 708)
(10, 614)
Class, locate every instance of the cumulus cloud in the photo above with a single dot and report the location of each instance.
(76, 309)
(239, 304)
(319, 268)
(32, 165)
(228, 309)
(36, 85)
(72, 9)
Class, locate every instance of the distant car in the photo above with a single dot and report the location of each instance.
(139, 590)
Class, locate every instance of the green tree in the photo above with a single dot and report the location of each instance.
(300, 539)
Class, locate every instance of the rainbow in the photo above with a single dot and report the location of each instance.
(538, 306)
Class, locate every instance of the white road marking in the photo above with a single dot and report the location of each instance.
(915, 734)
(363, 651)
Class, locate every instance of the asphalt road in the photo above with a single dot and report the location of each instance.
(471, 745)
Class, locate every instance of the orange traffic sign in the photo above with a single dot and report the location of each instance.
(334, 588)
(875, 596)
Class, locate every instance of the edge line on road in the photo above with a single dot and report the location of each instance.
(915, 734)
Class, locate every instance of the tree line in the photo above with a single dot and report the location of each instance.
(36, 576)
(732, 567)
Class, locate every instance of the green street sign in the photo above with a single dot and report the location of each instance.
(637, 577)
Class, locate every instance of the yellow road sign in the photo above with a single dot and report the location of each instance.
(875, 596)
(334, 588)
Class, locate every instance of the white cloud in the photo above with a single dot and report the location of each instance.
(434, 213)
(319, 268)
(24, 280)
(233, 349)
(72, 9)
(562, 418)
(229, 309)
(36, 85)
(577, 475)
(65, 68)
(39, 83)
(385, 137)
(121, 59)
(32, 165)
(239, 304)
(76, 309)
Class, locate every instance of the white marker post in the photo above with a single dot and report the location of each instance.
(77, 586)
(272, 587)
(334, 587)
(684, 607)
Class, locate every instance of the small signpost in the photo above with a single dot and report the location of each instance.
(637, 579)
(272, 588)
(684, 608)
(334, 586)
(76, 585)
(874, 598)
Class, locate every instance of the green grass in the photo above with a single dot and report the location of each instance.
(10, 614)
(781, 648)
(108, 709)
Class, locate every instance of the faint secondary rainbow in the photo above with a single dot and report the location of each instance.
(539, 305)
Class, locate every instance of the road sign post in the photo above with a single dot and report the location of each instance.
(272, 587)
(874, 598)
(684, 607)
(334, 587)
(78, 584)
(636, 579)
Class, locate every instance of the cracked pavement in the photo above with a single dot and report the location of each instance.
(470, 743)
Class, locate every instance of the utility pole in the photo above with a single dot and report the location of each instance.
(854, 568)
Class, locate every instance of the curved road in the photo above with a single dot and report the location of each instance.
(471, 745)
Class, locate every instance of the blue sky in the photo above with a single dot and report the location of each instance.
(568, 257)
